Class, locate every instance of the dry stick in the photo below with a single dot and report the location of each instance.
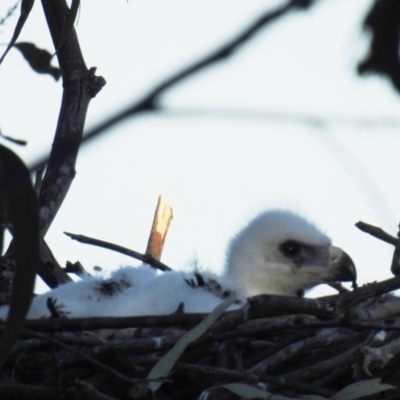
(311, 120)
(283, 356)
(159, 229)
(315, 371)
(376, 232)
(259, 307)
(81, 324)
(162, 219)
(146, 258)
(121, 348)
(338, 286)
(347, 300)
(150, 101)
(90, 392)
(251, 378)
(385, 308)
(299, 325)
(87, 357)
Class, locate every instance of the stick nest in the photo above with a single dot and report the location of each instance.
(289, 346)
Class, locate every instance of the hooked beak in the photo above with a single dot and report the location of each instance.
(341, 266)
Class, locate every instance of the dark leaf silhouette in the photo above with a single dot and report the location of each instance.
(19, 211)
(383, 21)
(38, 59)
(20, 142)
(26, 7)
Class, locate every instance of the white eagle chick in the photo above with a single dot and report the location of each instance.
(280, 252)
(277, 253)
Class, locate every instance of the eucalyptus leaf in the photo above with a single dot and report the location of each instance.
(362, 389)
(250, 392)
(38, 59)
(26, 7)
(18, 210)
(165, 365)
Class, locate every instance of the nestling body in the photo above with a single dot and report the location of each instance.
(278, 252)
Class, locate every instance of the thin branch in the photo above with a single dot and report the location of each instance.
(317, 370)
(220, 332)
(345, 301)
(112, 350)
(285, 117)
(90, 392)
(384, 308)
(272, 363)
(145, 258)
(377, 232)
(83, 324)
(150, 102)
(87, 357)
(249, 377)
(9, 13)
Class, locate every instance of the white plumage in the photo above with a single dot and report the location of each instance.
(277, 253)
(129, 291)
(280, 252)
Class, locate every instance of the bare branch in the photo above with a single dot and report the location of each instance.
(346, 300)
(80, 86)
(90, 392)
(146, 258)
(85, 356)
(150, 102)
(376, 232)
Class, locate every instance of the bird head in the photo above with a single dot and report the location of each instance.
(282, 253)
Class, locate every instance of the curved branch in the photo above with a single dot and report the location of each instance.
(150, 101)
(80, 86)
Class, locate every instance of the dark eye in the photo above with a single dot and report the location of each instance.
(290, 249)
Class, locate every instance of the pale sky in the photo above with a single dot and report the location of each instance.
(286, 122)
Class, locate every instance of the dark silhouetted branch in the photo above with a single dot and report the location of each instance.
(150, 102)
(80, 85)
(376, 232)
(146, 258)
